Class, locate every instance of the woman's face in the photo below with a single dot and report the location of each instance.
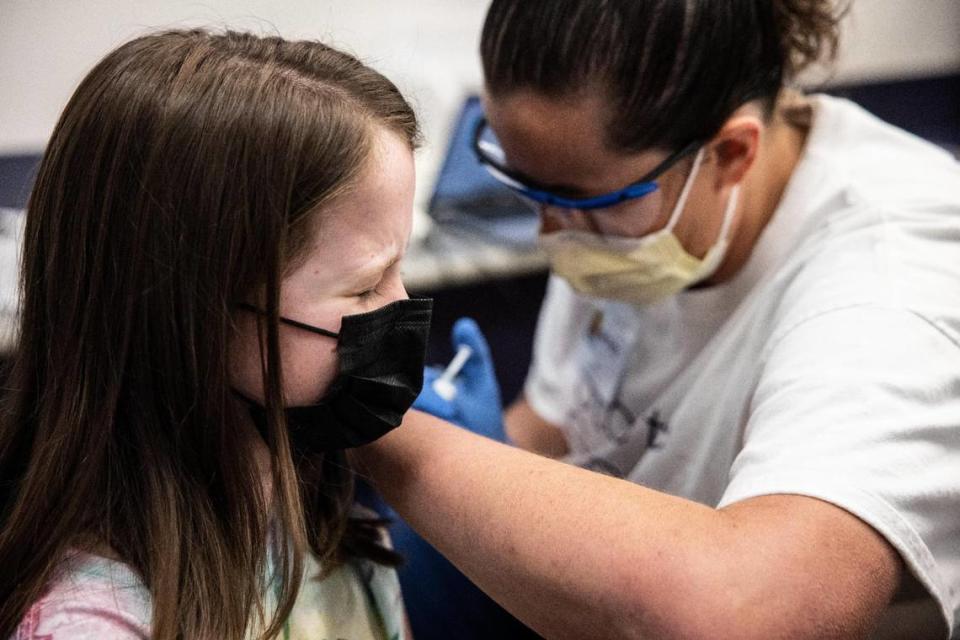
(352, 265)
(562, 143)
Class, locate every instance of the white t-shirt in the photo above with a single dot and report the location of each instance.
(828, 367)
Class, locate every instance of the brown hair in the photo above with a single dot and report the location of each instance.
(673, 70)
(179, 181)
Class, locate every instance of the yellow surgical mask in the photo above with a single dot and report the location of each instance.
(637, 270)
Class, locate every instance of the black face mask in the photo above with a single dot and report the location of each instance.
(381, 357)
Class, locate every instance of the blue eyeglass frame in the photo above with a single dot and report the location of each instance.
(533, 191)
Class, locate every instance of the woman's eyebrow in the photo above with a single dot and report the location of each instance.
(569, 190)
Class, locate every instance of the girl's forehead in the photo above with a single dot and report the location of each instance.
(367, 227)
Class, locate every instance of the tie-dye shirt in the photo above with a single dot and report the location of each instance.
(96, 598)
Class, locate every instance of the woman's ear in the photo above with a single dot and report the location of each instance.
(735, 148)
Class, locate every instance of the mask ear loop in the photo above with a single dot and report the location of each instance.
(685, 193)
(728, 214)
(293, 323)
(718, 251)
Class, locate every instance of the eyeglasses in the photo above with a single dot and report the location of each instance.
(492, 157)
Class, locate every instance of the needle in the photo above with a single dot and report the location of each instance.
(443, 386)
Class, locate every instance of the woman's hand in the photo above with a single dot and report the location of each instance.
(476, 406)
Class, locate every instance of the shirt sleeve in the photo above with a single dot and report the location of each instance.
(860, 407)
(78, 621)
(93, 599)
(553, 370)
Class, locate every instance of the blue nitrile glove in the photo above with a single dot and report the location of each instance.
(476, 405)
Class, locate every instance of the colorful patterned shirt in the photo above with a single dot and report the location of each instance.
(96, 598)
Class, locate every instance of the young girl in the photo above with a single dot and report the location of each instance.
(211, 315)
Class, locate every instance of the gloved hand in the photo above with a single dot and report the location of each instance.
(476, 406)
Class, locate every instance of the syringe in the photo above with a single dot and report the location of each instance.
(443, 386)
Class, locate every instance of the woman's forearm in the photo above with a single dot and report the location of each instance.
(527, 430)
(570, 552)
(575, 554)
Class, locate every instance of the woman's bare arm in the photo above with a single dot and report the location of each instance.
(527, 430)
(576, 554)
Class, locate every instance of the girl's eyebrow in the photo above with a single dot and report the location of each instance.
(378, 268)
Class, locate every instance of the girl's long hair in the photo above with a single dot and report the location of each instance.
(181, 179)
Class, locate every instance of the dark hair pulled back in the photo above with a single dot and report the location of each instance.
(673, 70)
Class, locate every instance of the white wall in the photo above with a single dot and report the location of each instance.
(427, 46)
(894, 39)
(901, 38)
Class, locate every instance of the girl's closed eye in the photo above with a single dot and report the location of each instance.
(370, 292)
(383, 283)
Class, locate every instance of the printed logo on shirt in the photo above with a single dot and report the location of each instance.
(620, 455)
(655, 427)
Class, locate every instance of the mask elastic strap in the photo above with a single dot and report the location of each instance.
(685, 193)
(718, 251)
(728, 214)
(293, 323)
